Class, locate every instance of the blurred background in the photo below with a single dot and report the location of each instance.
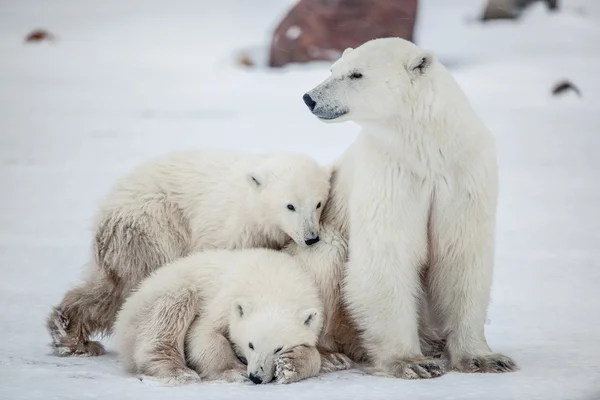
(89, 89)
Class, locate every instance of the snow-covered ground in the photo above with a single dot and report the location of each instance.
(127, 80)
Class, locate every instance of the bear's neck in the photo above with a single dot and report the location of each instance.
(447, 128)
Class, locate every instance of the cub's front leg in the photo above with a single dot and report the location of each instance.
(210, 354)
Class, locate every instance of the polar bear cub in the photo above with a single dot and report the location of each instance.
(206, 310)
(180, 203)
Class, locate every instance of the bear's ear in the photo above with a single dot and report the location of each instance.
(255, 180)
(419, 64)
(348, 50)
(240, 308)
(310, 317)
(328, 169)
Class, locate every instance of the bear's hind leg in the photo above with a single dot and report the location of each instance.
(85, 310)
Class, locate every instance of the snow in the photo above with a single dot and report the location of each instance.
(293, 32)
(128, 80)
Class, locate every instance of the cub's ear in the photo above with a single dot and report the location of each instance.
(420, 64)
(311, 317)
(240, 308)
(348, 50)
(255, 180)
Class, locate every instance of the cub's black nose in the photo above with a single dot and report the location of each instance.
(309, 101)
(311, 241)
(255, 379)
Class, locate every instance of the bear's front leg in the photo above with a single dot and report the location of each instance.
(300, 362)
(460, 276)
(388, 246)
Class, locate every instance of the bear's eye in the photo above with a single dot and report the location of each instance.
(319, 205)
(291, 207)
(278, 350)
(251, 346)
(355, 75)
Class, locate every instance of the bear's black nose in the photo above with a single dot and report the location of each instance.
(309, 101)
(311, 241)
(255, 379)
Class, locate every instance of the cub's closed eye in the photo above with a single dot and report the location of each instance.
(356, 75)
(319, 205)
(278, 350)
(291, 207)
(251, 346)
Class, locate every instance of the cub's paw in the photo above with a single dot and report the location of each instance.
(414, 368)
(285, 371)
(182, 376)
(331, 362)
(89, 348)
(491, 363)
(300, 362)
(171, 377)
(57, 324)
(236, 374)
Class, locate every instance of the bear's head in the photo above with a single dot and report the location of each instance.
(261, 334)
(291, 191)
(383, 80)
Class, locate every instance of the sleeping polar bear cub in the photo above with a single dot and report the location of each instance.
(192, 312)
(415, 195)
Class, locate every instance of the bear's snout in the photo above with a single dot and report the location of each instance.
(311, 241)
(255, 379)
(310, 103)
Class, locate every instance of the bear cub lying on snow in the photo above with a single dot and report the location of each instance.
(206, 310)
(173, 206)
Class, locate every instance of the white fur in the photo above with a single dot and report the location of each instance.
(253, 296)
(231, 200)
(417, 189)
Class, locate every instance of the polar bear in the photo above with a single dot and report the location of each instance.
(197, 317)
(180, 203)
(415, 195)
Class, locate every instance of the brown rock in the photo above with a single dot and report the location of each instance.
(511, 9)
(245, 60)
(320, 30)
(38, 35)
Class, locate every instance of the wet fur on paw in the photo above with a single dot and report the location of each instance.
(65, 346)
(331, 362)
(416, 368)
(234, 375)
(491, 363)
(181, 376)
(285, 371)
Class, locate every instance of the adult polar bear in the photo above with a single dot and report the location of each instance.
(416, 196)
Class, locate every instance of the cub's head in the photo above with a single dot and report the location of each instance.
(292, 190)
(263, 334)
(382, 80)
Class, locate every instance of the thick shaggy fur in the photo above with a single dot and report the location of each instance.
(326, 261)
(416, 197)
(175, 205)
(203, 309)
